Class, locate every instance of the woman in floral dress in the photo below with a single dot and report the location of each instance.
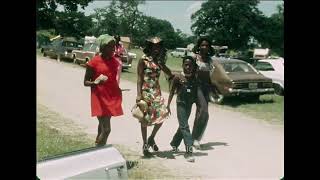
(148, 90)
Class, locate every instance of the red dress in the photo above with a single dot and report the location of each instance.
(105, 98)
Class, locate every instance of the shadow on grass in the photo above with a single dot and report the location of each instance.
(131, 164)
(127, 71)
(237, 101)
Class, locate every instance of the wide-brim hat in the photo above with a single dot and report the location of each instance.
(154, 40)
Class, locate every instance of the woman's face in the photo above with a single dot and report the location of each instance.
(109, 49)
(204, 47)
(156, 49)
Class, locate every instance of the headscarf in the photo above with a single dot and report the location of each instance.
(104, 39)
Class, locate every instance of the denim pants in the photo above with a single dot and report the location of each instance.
(202, 114)
(183, 132)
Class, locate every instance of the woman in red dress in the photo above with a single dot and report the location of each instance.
(106, 97)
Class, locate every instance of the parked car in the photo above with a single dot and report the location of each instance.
(61, 48)
(88, 52)
(179, 52)
(126, 59)
(132, 55)
(274, 69)
(246, 81)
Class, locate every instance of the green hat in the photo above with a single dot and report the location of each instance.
(104, 39)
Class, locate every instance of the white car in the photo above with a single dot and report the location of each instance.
(274, 69)
(179, 52)
(132, 55)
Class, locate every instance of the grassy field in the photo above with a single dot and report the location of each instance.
(57, 135)
(269, 108)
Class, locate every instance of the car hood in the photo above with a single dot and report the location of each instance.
(248, 77)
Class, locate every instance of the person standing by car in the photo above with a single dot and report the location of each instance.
(203, 52)
(106, 97)
(119, 52)
(186, 87)
(148, 90)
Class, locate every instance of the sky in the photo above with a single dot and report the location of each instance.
(178, 13)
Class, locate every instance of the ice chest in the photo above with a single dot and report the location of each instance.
(92, 163)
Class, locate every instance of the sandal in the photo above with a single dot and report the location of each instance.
(153, 145)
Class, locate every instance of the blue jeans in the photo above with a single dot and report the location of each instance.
(202, 114)
(183, 132)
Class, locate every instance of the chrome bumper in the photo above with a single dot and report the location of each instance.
(254, 91)
(126, 65)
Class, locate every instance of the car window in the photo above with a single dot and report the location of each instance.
(86, 47)
(94, 47)
(55, 43)
(237, 67)
(70, 44)
(264, 66)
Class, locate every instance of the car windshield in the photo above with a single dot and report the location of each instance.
(70, 44)
(93, 47)
(264, 66)
(237, 67)
(86, 47)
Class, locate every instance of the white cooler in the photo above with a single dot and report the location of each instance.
(93, 163)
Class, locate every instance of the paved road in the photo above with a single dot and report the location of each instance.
(235, 146)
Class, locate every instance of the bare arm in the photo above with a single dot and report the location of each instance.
(140, 70)
(172, 90)
(88, 77)
(166, 70)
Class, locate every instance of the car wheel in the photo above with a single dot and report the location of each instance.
(216, 97)
(253, 98)
(278, 89)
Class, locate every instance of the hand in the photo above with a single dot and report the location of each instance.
(120, 92)
(98, 82)
(138, 98)
(169, 111)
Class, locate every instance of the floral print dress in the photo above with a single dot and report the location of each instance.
(151, 93)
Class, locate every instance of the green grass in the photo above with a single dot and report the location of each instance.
(269, 108)
(57, 135)
(54, 137)
(39, 51)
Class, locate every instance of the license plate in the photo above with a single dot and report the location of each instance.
(253, 85)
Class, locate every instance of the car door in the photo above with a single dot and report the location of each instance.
(51, 48)
(56, 48)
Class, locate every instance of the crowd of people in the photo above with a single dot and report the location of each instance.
(103, 77)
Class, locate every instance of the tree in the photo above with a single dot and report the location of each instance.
(128, 15)
(46, 9)
(228, 23)
(74, 24)
(275, 31)
(105, 21)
